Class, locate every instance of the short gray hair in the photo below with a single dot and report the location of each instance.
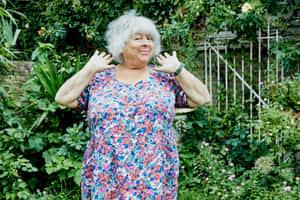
(119, 31)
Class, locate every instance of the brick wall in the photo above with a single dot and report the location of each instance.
(17, 75)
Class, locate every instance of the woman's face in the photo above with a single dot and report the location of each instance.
(139, 49)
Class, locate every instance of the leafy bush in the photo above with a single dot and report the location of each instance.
(74, 25)
(224, 15)
(37, 143)
(219, 160)
(9, 33)
(69, 25)
(287, 52)
(227, 130)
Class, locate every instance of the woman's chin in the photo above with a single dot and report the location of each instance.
(145, 58)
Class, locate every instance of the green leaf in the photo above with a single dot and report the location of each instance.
(39, 120)
(36, 143)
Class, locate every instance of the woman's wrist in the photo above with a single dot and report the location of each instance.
(179, 69)
(90, 68)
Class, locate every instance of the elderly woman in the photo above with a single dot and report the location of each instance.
(132, 152)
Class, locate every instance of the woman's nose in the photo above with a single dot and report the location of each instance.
(145, 41)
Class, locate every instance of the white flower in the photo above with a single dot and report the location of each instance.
(246, 7)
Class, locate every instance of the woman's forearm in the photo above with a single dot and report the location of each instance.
(69, 92)
(195, 90)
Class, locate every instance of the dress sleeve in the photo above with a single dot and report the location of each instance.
(83, 98)
(180, 96)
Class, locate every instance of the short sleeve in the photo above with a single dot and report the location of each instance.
(83, 98)
(180, 96)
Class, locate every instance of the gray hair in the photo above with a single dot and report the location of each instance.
(119, 31)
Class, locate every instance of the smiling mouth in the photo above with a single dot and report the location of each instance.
(145, 52)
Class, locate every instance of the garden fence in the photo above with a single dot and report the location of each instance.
(236, 75)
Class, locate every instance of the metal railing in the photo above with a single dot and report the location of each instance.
(248, 73)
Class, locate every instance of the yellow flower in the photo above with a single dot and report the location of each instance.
(89, 36)
(41, 33)
(246, 7)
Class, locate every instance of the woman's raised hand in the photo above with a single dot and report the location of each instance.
(99, 62)
(169, 63)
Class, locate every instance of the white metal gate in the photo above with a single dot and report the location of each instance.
(247, 77)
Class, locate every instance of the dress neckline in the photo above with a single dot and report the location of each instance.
(113, 76)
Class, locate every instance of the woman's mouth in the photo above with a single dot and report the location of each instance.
(145, 52)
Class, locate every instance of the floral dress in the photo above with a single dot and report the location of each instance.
(132, 152)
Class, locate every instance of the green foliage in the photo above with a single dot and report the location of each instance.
(219, 159)
(276, 122)
(279, 123)
(216, 16)
(227, 129)
(159, 11)
(69, 25)
(67, 158)
(261, 186)
(52, 70)
(12, 165)
(9, 35)
(37, 143)
(288, 54)
(285, 93)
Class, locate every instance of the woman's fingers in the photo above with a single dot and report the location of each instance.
(174, 54)
(158, 69)
(159, 60)
(109, 60)
(104, 57)
(107, 56)
(109, 66)
(102, 54)
(166, 54)
(96, 52)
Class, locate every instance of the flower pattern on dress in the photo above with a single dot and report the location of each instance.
(132, 151)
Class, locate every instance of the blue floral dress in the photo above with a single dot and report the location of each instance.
(132, 151)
